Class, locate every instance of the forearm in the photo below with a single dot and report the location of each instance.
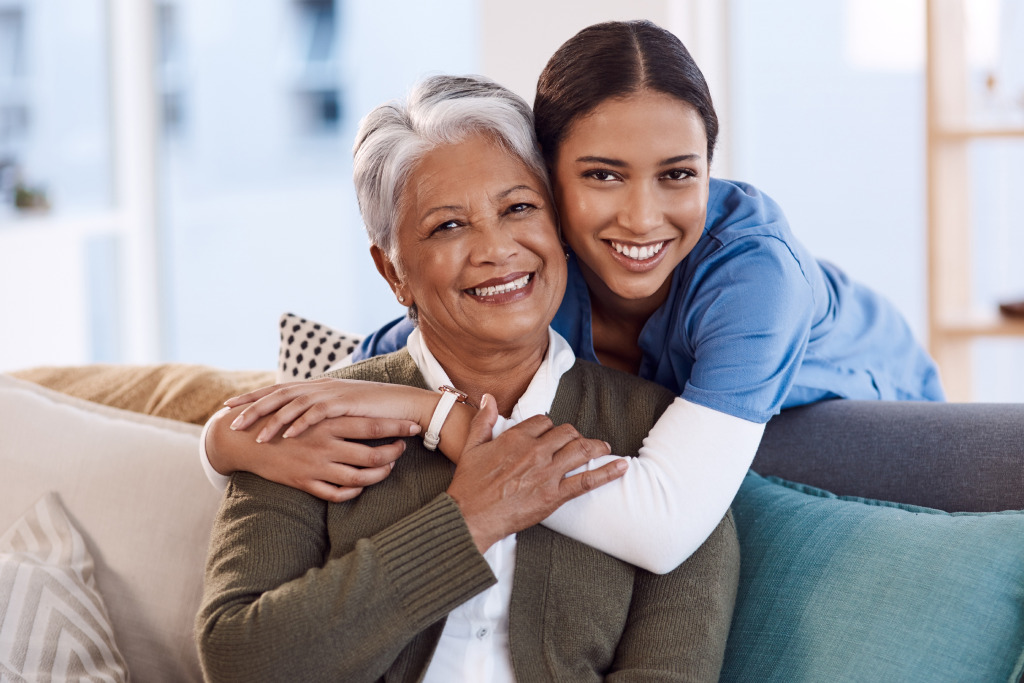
(274, 609)
(672, 496)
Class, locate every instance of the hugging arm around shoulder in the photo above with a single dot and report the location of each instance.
(281, 604)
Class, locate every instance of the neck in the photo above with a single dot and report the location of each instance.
(503, 371)
(617, 322)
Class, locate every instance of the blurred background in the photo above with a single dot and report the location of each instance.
(175, 174)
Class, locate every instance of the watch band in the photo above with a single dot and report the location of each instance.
(449, 397)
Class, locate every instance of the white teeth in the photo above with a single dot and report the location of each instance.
(638, 253)
(501, 289)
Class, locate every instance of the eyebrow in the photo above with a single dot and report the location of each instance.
(458, 207)
(618, 163)
(506, 193)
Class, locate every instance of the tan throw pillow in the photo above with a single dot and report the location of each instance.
(309, 348)
(53, 623)
(177, 391)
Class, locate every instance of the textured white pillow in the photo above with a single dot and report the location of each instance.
(309, 348)
(53, 623)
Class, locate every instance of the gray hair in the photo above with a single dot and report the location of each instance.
(440, 110)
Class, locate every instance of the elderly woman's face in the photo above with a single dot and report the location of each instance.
(478, 249)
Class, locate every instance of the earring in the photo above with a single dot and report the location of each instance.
(401, 299)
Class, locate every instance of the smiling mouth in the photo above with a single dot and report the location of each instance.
(503, 288)
(637, 252)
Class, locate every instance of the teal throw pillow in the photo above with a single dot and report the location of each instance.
(849, 589)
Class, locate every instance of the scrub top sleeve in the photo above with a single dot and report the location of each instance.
(392, 337)
(748, 324)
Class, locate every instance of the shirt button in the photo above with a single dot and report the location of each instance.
(481, 633)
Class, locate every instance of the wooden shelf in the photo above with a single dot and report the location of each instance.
(980, 325)
(973, 132)
(952, 322)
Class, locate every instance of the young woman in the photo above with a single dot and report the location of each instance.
(693, 282)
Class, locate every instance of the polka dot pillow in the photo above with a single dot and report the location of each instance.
(310, 348)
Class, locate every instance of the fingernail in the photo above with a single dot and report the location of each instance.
(483, 401)
(621, 465)
(414, 430)
(608, 446)
(237, 423)
(287, 433)
(262, 435)
(392, 464)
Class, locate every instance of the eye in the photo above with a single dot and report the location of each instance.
(680, 174)
(520, 207)
(444, 227)
(600, 175)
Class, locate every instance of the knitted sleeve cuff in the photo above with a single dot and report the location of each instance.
(432, 561)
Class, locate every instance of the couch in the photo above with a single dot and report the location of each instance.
(115, 446)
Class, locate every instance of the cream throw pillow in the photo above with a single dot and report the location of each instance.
(134, 488)
(53, 623)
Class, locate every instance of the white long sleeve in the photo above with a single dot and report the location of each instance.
(672, 496)
(219, 481)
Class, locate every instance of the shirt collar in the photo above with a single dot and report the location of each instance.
(539, 395)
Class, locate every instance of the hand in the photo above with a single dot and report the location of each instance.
(322, 461)
(513, 482)
(300, 405)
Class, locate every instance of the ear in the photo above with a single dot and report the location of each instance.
(389, 272)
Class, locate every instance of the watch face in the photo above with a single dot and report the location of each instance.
(460, 396)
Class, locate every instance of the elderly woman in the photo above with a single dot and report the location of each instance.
(439, 573)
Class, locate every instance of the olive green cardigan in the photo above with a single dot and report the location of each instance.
(301, 590)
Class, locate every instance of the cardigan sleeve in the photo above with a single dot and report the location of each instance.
(678, 623)
(279, 606)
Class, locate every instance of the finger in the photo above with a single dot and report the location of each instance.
(354, 477)
(314, 406)
(534, 427)
(352, 427)
(265, 405)
(578, 484)
(481, 427)
(331, 493)
(558, 437)
(251, 396)
(579, 451)
(361, 455)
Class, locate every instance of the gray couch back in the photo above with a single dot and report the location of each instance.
(950, 456)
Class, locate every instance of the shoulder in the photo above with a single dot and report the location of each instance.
(609, 392)
(397, 367)
(747, 238)
(740, 213)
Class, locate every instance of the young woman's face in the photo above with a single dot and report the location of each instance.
(478, 249)
(631, 183)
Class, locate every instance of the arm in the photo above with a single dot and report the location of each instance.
(274, 609)
(324, 459)
(678, 623)
(672, 496)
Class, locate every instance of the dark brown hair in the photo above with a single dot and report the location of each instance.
(616, 59)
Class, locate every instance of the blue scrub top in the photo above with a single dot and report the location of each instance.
(753, 323)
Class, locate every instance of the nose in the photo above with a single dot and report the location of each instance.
(493, 243)
(641, 212)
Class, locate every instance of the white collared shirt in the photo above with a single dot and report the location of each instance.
(474, 643)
